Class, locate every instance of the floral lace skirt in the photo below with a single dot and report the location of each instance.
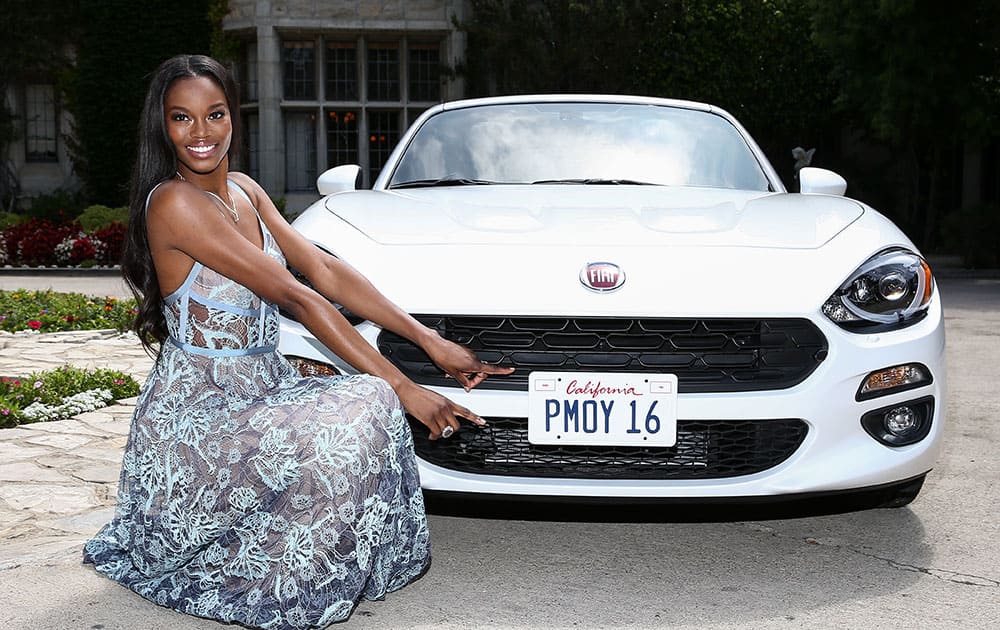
(250, 494)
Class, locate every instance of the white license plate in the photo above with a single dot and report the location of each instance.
(609, 409)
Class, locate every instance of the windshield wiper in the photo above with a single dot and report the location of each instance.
(595, 181)
(442, 181)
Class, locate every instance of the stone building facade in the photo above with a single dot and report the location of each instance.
(330, 82)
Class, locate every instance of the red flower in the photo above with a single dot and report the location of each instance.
(34, 323)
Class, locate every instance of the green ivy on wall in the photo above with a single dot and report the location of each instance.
(121, 44)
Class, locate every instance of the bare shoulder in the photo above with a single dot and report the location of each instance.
(178, 211)
(171, 197)
(171, 193)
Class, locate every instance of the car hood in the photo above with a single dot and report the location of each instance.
(684, 252)
(557, 215)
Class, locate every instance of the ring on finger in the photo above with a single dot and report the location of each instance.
(447, 431)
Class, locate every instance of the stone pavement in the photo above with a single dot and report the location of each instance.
(58, 480)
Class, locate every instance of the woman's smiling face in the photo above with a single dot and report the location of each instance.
(198, 124)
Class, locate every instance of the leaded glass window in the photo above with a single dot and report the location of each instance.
(299, 78)
(40, 123)
(425, 73)
(383, 72)
(341, 72)
(341, 137)
(383, 134)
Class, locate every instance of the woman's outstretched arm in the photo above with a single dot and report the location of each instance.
(184, 226)
(343, 284)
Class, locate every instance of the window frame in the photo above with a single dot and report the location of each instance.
(405, 109)
(31, 140)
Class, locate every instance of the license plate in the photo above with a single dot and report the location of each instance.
(604, 409)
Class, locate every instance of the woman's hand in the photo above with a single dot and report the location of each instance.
(433, 410)
(460, 363)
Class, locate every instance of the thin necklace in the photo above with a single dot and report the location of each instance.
(231, 206)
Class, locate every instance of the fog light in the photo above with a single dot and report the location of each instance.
(900, 424)
(901, 421)
(895, 379)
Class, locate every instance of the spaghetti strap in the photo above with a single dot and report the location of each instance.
(150, 195)
(239, 189)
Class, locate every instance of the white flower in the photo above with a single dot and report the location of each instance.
(64, 250)
(70, 406)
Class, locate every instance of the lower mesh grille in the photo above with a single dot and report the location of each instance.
(705, 449)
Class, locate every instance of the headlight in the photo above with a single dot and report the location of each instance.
(893, 289)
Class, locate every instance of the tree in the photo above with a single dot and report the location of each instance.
(921, 76)
(526, 46)
(755, 58)
(119, 47)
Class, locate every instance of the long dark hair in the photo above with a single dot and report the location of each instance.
(155, 162)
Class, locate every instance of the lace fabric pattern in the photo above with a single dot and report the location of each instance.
(250, 494)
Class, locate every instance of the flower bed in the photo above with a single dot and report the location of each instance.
(48, 311)
(96, 237)
(60, 393)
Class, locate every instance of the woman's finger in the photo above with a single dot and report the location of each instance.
(459, 410)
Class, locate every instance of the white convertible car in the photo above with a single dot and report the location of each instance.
(682, 327)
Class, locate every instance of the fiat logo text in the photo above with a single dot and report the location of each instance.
(602, 277)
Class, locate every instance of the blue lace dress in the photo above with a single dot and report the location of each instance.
(251, 494)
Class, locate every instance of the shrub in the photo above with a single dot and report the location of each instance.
(37, 241)
(113, 237)
(59, 206)
(79, 249)
(60, 393)
(34, 241)
(8, 219)
(98, 217)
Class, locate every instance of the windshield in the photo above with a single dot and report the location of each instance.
(581, 143)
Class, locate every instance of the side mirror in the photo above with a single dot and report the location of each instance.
(339, 179)
(821, 181)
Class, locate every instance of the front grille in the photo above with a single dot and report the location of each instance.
(705, 449)
(707, 355)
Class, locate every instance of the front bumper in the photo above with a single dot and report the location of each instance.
(836, 453)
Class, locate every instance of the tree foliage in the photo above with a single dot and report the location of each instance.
(526, 46)
(922, 77)
(754, 58)
(912, 79)
(121, 44)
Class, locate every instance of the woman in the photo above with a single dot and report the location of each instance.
(249, 493)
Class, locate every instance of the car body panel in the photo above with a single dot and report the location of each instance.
(442, 274)
(599, 215)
